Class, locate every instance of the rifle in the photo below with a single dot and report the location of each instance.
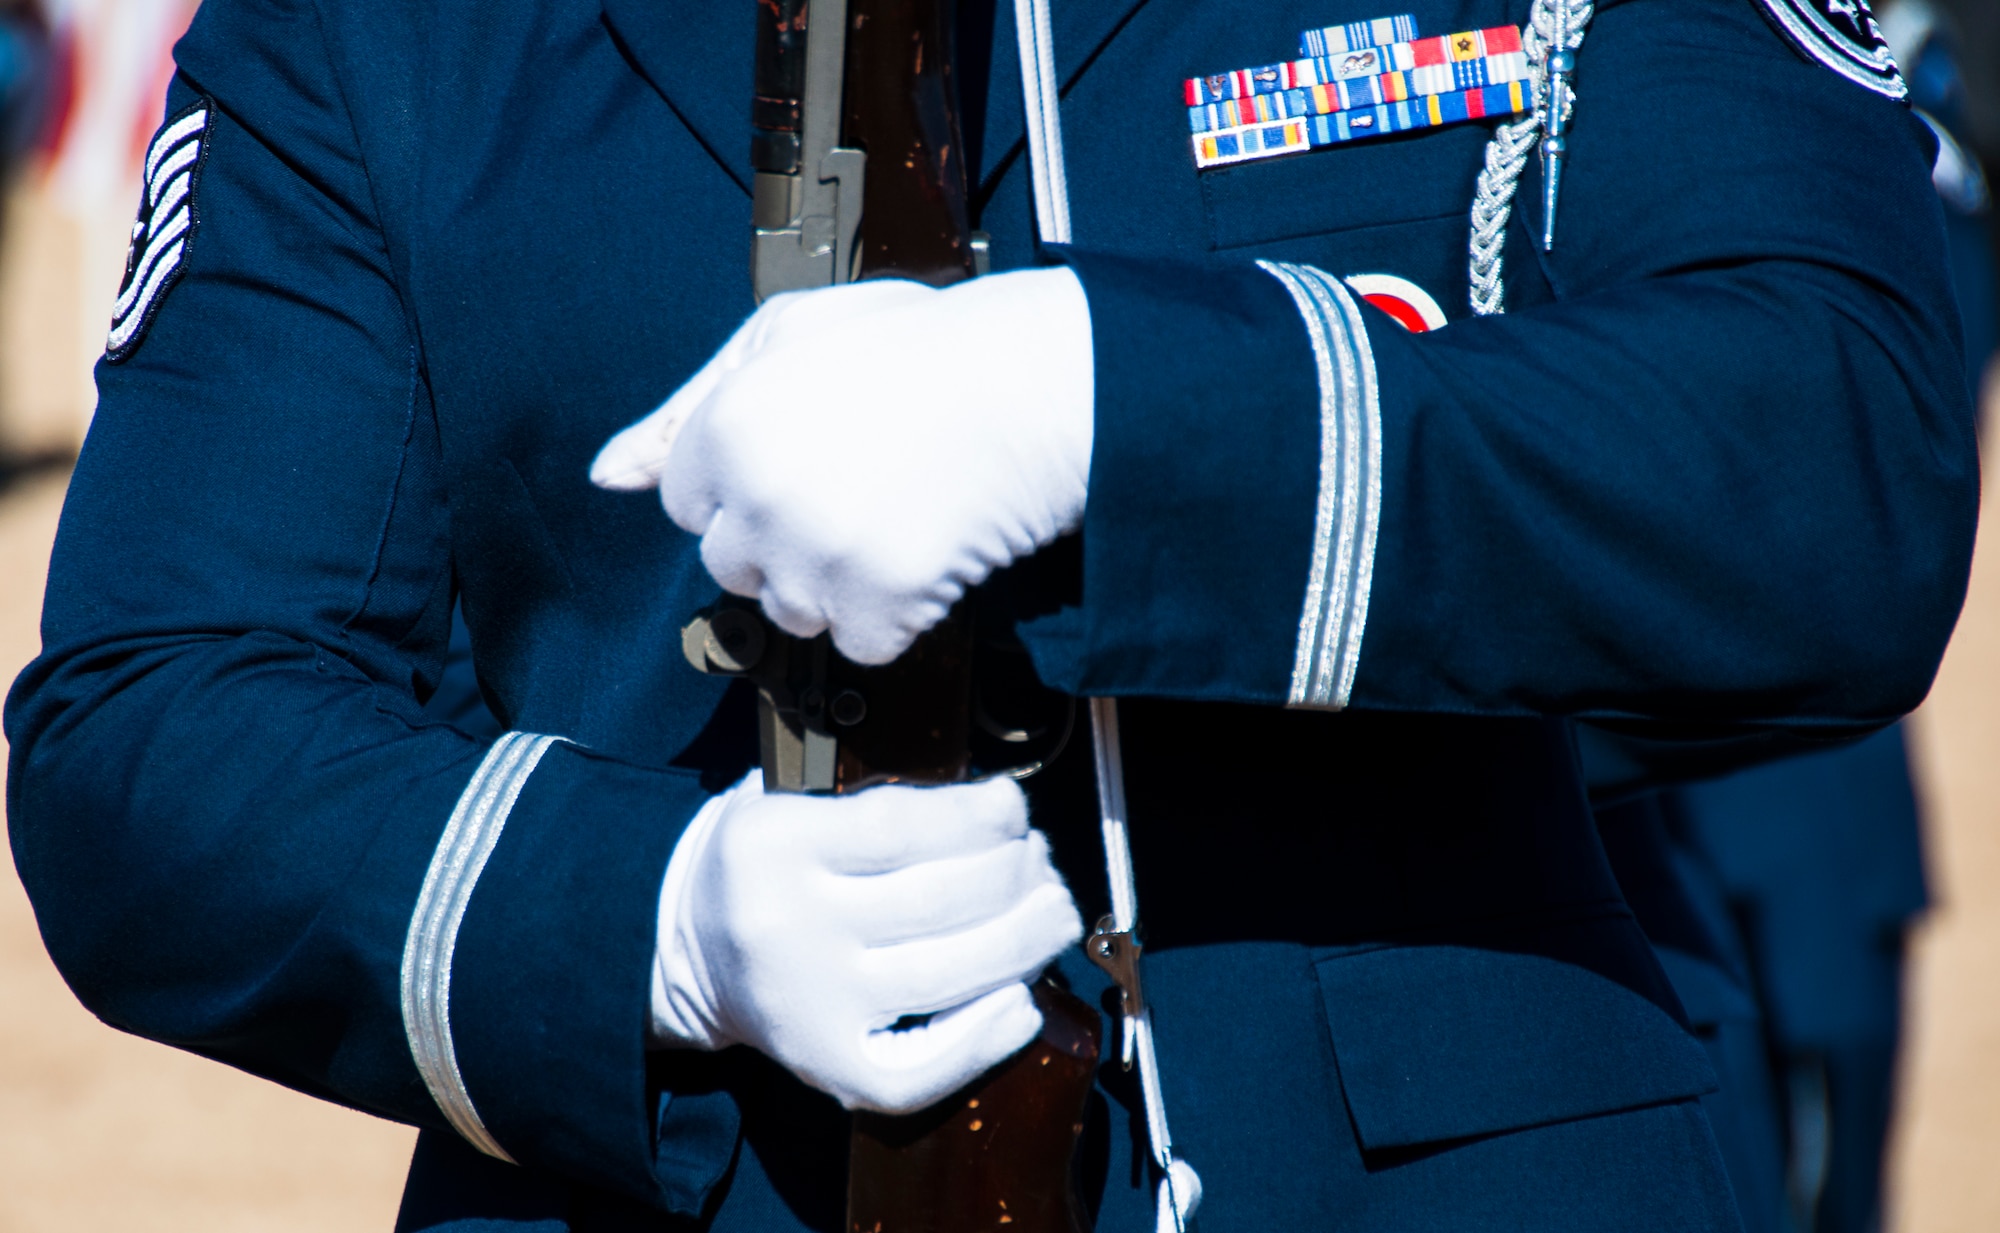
(860, 173)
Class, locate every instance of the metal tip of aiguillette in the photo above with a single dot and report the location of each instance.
(1552, 167)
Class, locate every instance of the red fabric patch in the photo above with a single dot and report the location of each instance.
(1402, 310)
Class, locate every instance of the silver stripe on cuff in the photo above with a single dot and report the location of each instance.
(1349, 508)
(469, 839)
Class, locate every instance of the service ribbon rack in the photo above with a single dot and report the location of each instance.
(1365, 79)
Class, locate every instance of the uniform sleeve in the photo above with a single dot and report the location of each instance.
(239, 832)
(1723, 472)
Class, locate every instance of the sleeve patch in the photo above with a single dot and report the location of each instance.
(1843, 36)
(163, 234)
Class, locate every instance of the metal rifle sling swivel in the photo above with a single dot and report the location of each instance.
(1117, 951)
(1116, 947)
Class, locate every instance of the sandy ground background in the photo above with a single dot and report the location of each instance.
(1944, 1170)
(102, 1131)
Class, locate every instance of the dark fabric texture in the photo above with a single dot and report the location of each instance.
(449, 248)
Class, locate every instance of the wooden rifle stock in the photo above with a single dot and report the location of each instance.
(860, 173)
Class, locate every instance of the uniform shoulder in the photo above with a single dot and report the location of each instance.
(1840, 35)
(231, 44)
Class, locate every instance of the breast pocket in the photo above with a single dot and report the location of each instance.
(1400, 206)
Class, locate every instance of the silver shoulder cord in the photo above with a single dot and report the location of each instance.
(1555, 31)
(1115, 945)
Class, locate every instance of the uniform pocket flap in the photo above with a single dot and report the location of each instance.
(1447, 1042)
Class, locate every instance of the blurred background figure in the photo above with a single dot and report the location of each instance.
(1819, 870)
(27, 78)
(1781, 898)
(1975, 31)
(81, 88)
(25, 72)
(1925, 42)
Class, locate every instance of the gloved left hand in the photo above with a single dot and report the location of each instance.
(855, 457)
(813, 927)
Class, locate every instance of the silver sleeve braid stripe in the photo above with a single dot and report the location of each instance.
(1350, 489)
(469, 839)
(1507, 152)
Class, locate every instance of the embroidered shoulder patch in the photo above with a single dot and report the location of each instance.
(1842, 35)
(164, 232)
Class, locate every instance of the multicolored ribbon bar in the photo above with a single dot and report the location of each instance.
(1286, 136)
(1426, 66)
(1240, 145)
(1334, 40)
(1394, 86)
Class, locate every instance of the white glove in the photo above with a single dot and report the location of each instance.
(856, 457)
(805, 926)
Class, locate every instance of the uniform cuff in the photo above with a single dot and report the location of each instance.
(1348, 507)
(526, 973)
(1228, 541)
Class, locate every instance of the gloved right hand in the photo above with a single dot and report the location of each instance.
(855, 457)
(808, 926)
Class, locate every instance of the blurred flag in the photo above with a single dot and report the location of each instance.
(98, 92)
(115, 58)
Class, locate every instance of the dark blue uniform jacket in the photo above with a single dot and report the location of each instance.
(1713, 473)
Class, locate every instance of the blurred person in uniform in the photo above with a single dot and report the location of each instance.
(106, 64)
(25, 79)
(1680, 903)
(1781, 897)
(1923, 39)
(1819, 861)
(1356, 452)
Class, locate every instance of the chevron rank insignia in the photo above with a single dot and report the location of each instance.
(164, 232)
(1843, 36)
